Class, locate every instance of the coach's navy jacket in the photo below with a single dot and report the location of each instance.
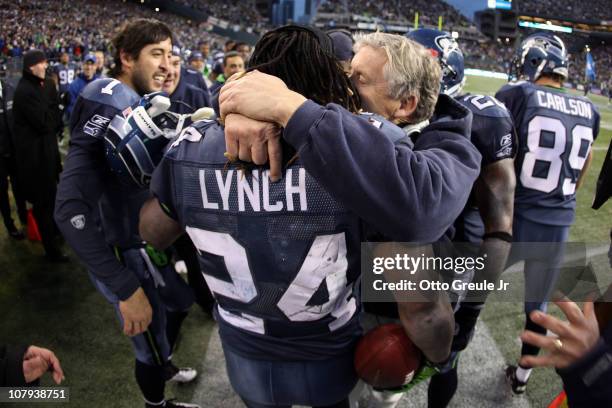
(380, 180)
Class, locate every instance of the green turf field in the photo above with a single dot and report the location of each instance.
(57, 307)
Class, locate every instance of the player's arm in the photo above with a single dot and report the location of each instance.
(76, 209)
(495, 197)
(585, 169)
(426, 316)
(158, 220)
(388, 185)
(430, 326)
(156, 227)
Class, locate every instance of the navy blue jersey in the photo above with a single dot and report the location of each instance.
(188, 98)
(555, 133)
(494, 137)
(88, 191)
(65, 75)
(283, 258)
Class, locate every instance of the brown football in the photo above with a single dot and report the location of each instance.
(386, 357)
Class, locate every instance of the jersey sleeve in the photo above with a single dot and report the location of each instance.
(79, 190)
(162, 187)
(493, 130)
(513, 97)
(409, 195)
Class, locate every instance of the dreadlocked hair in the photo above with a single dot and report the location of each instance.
(296, 56)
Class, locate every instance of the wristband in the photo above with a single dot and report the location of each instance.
(504, 236)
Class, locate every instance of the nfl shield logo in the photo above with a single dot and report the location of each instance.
(78, 221)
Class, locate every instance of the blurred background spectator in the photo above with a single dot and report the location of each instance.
(37, 120)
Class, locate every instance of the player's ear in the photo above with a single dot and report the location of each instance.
(127, 60)
(406, 109)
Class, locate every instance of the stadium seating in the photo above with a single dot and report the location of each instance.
(592, 10)
(57, 26)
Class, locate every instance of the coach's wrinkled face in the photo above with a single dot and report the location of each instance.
(174, 75)
(148, 72)
(368, 77)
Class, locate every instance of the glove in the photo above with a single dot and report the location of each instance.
(428, 370)
(134, 145)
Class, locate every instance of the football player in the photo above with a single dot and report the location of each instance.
(150, 299)
(64, 72)
(555, 133)
(283, 258)
(486, 220)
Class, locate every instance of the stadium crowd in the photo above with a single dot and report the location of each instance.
(56, 26)
(398, 10)
(242, 13)
(593, 10)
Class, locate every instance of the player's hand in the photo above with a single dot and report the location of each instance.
(259, 96)
(254, 141)
(37, 361)
(573, 340)
(136, 312)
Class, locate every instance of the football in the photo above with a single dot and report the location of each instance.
(386, 357)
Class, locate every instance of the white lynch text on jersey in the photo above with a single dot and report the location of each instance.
(570, 106)
(254, 189)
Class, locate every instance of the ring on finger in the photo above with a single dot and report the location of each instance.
(558, 344)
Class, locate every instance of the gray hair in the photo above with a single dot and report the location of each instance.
(410, 70)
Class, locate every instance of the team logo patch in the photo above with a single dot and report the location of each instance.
(505, 146)
(506, 140)
(78, 221)
(95, 125)
(126, 112)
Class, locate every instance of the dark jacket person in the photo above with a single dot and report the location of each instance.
(7, 161)
(36, 122)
